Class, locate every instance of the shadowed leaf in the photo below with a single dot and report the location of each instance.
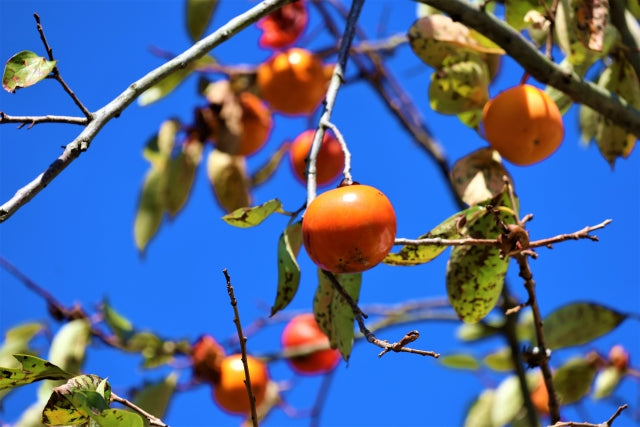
(182, 172)
(229, 181)
(579, 323)
(151, 206)
(288, 269)
(573, 380)
(250, 217)
(25, 69)
(265, 172)
(459, 361)
(479, 414)
(31, 369)
(199, 14)
(120, 325)
(478, 176)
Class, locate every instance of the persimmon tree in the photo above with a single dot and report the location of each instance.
(569, 55)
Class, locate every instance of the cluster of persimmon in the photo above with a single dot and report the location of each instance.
(302, 339)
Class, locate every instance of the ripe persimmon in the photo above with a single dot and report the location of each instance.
(292, 81)
(330, 160)
(256, 124)
(206, 359)
(540, 396)
(283, 27)
(230, 393)
(349, 229)
(523, 124)
(301, 331)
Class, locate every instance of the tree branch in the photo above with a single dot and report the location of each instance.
(34, 120)
(540, 67)
(153, 420)
(121, 102)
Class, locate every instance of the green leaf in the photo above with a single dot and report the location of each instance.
(478, 176)
(199, 14)
(606, 382)
(120, 325)
(288, 269)
(69, 345)
(31, 369)
(573, 380)
(25, 69)
(154, 349)
(500, 360)
(476, 331)
(250, 217)
(579, 323)
(333, 313)
(507, 401)
(459, 361)
(479, 414)
(16, 341)
(515, 11)
(75, 402)
(460, 84)
(266, 171)
(182, 172)
(151, 206)
(420, 254)
(475, 274)
(155, 397)
(118, 418)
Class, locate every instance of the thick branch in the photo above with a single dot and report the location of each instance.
(118, 105)
(538, 66)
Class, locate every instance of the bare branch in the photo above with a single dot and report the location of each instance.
(34, 120)
(115, 107)
(540, 67)
(607, 423)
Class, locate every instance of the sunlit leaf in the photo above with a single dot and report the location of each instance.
(228, 177)
(199, 14)
(606, 382)
(420, 254)
(155, 397)
(459, 361)
(31, 369)
(252, 216)
(288, 270)
(507, 401)
(479, 414)
(182, 172)
(69, 345)
(515, 11)
(151, 207)
(17, 341)
(573, 380)
(265, 172)
(333, 313)
(79, 399)
(118, 418)
(478, 176)
(579, 323)
(25, 69)
(120, 325)
(500, 360)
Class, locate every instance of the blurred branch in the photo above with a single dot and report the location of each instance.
(631, 49)
(243, 348)
(540, 67)
(114, 108)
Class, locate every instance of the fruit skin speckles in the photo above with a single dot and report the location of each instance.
(349, 229)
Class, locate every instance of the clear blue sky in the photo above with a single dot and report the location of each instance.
(75, 238)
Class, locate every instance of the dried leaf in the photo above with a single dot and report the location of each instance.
(478, 176)
(228, 177)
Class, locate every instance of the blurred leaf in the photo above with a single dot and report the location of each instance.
(500, 360)
(199, 14)
(573, 380)
(165, 86)
(515, 11)
(420, 254)
(606, 382)
(25, 69)
(159, 147)
(118, 324)
(31, 369)
(265, 172)
(79, 399)
(151, 207)
(475, 274)
(579, 323)
(182, 172)
(459, 361)
(435, 37)
(288, 269)
(16, 341)
(155, 397)
(479, 414)
(471, 118)
(154, 349)
(250, 217)
(228, 177)
(476, 331)
(478, 176)
(460, 84)
(507, 401)
(333, 313)
(525, 330)
(69, 345)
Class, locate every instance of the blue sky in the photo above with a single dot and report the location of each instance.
(75, 238)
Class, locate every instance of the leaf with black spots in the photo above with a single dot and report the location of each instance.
(288, 270)
(31, 369)
(252, 216)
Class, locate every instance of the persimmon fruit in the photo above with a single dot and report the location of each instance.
(256, 124)
(206, 359)
(329, 163)
(523, 124)
(292, 81)
(349, 229)
(284, 26)
(619, 357)
(230, 392)
(540, 396)
(301, 331)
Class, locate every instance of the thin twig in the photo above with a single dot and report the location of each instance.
(332, 92)
(540, 67)
(114, 108)
(346, 172)
(153, 420)
(243, 348)
(34, 120)
(607, 423)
